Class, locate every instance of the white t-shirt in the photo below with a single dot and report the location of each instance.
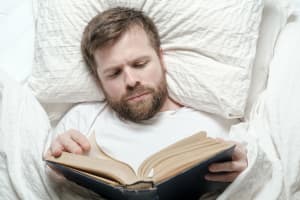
(132, 142)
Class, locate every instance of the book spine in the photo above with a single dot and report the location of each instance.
(103, 189)
(150, 194)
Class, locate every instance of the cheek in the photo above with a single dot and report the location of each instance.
(113, 89)
(155, 75)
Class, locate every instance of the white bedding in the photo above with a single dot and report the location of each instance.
(273, 129)
(24, 128)
(17, 38)
(272, 134)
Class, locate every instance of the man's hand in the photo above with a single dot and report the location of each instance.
(229, 170)
(71, 141)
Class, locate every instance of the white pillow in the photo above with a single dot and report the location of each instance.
(275, 15)
(209, 50)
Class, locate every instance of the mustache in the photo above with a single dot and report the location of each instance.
(137, 91)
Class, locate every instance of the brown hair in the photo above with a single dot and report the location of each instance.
(107, 27)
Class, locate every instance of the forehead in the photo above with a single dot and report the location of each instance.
(133, 44)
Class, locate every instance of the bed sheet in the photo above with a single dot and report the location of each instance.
(25, 131)
(297, 5)
(17, 18)
(17, 37)
(271, 135)
(281, 107)
(272, 131)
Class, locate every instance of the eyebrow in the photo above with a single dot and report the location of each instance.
(113, 67)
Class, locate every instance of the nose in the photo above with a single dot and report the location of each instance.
(131, 79)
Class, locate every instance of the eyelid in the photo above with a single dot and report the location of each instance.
(114, 73)
(141, 63)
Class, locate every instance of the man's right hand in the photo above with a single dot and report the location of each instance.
(71, 141)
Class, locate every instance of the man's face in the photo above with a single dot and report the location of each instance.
(132, 76)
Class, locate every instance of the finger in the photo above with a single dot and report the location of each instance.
(240, 152)
(69, 144)
(224, 177)
(56, 148)
(81, 140)
(47, 154)
(231, 166)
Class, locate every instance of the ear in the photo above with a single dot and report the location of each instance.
(161, 58)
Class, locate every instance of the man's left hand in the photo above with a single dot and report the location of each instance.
(228, 171)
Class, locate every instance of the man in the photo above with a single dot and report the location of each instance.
(122, 48)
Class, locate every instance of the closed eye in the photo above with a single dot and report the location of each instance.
(140, 64)
(114, 74)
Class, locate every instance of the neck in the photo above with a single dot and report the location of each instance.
(170, 104)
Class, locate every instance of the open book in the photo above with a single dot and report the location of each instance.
(191, 155)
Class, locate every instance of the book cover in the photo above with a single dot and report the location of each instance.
(189, 184)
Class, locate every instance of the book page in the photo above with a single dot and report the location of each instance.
(181, 155)
(99, 165)
(109, 169)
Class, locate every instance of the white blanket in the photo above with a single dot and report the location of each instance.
(273, 171)
(271, 134)
(273, 131)
(24, 128)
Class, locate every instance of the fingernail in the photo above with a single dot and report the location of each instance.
(56, 153)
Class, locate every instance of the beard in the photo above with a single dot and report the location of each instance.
(143, 109)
